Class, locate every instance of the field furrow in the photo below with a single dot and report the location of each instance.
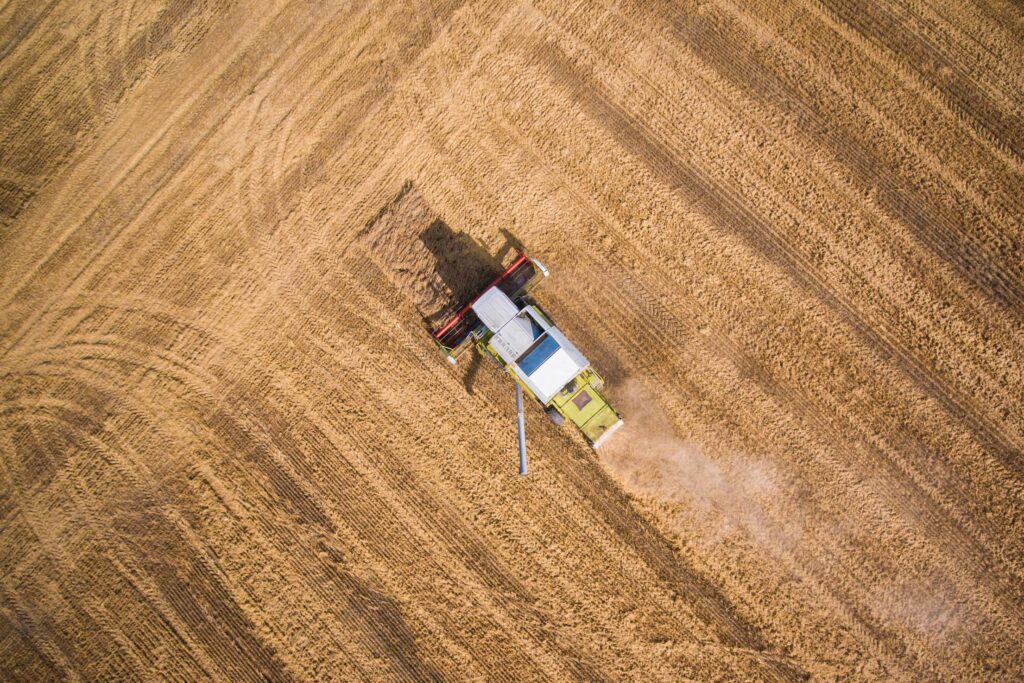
(786, 233)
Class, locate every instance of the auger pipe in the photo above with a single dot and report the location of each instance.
(522, 430)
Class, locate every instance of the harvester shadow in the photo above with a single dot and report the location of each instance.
(464, 266)
(470, 377)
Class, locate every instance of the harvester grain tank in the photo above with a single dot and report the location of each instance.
(506, 325)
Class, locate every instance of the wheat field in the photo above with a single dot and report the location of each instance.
(789, 232)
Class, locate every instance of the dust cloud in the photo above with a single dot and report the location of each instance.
(727, 494)
(928, 606)
(734, 494)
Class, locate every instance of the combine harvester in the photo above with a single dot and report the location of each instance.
(507, 326)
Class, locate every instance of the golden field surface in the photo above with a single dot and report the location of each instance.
(788, 232)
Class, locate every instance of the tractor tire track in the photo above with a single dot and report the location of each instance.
(228, 448)
(885, 30)
(995, 271)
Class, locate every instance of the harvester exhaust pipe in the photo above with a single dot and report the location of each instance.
(522, 430)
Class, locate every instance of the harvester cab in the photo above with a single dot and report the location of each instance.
(505, 325)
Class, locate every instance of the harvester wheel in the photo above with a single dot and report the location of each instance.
(554, 415)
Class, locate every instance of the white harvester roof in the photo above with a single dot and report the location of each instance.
(538, 352)
(494, 309)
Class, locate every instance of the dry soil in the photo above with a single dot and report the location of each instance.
(788, 231)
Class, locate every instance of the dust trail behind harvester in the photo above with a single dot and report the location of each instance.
(654, 462)
(739, 495)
